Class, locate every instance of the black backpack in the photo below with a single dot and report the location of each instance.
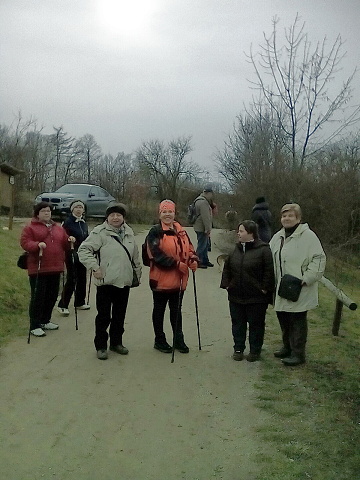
(191, 213)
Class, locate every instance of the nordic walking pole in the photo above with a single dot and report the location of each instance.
(75, 283)
(176, 321)
(88, 294)
(196, 310)
(36, 287)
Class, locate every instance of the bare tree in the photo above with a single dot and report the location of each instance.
(63, 148)
(166, 165)
(89, 152)
(295, 81)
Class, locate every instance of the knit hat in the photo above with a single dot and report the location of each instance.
(116, 208)
(208, 188)
(260, 200)
(167, 205)
(76, 203)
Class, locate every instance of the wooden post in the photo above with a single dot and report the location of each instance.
(12, 205)
(337, 317)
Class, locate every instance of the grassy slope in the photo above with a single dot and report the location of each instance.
(313, 409)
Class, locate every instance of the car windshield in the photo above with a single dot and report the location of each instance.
(77, 189)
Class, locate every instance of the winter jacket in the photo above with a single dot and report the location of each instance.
(167, 248)
(247, 273)
(302, 256)
(77, 229)
(262, 216)
(203, 222)
(53, 257)
(101, 249)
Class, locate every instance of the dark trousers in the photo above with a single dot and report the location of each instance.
(75, 280)
(242, 315)
(294, 332)
(44, 292)
(202, 247)
(160, 300)
(111, 304)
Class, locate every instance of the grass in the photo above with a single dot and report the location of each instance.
(312, 412)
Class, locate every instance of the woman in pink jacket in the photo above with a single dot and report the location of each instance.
(46, 243)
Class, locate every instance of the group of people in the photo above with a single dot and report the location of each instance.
(252, 274)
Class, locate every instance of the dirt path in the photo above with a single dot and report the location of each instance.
(66, 415)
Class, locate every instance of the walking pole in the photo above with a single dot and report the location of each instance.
(176, 321)
(75, 283)
(88, 295)
(36, 287)
(196, 310)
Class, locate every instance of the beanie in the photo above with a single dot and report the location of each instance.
(260, 200)
(76, 203)
(116, 208)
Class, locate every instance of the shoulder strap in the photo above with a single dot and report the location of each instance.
(126, 250)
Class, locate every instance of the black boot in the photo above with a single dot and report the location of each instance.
(180, 344)
(282, 353)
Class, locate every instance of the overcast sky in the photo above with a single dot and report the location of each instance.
(128, 71)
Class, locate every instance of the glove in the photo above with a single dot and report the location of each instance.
(193, 265)
(183, 268)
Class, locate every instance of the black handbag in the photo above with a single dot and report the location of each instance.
(290, 287)
(135, 280)
(22, 261)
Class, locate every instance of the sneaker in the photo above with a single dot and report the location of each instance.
(209, 264)
(102, 354)
(163, 347)
(238, 356)
(119, 349)
(181, 347)
(38, 332)
(63, 311)
(83, 307)
(50, 326)
(253, 357)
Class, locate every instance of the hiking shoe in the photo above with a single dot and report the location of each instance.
(182, 347)
(63, 311)
(253, 357)
(293, 361)
(119, 349)
(201, 265)
(83, 307)
(238, 356)
(209, 264)
(50, 326)
(163, 347)
(102, 354)
(38, 332)
(282, 353)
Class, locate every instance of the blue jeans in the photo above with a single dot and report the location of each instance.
(202, 247)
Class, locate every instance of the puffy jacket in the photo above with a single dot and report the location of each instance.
(79, 230)
(203, 222)
(301, 255)
(56, 240)
(167, 248)
(101, 250)
(262, 216)
(247, 273)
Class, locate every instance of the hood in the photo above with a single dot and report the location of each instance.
(261, 206)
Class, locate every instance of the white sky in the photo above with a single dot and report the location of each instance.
(128, 71)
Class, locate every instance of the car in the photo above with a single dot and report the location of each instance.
(95, 198)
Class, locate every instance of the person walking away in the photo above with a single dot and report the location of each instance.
(296, 251)
(106, 252)
(248, 277)
(262, 216)
(43, 237)
(171, 255)
(75, 283)
(203, 225)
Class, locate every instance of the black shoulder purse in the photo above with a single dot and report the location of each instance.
(290, 286)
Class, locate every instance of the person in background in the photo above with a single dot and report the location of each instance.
(248, 277)
(262, 216)
(214, 211)
(75, 226)
(46, 242)
(203, 225)
(171, 255)
(296, 251)
(111, 253)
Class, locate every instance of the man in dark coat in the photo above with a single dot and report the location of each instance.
(262, 216)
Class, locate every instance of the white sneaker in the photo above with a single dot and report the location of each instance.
(50, 326)
(38, 332)
(63, 311)
(83, 307)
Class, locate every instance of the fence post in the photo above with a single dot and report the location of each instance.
(337, 317)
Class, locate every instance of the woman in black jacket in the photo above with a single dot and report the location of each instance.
(248, 277)
(76, 226)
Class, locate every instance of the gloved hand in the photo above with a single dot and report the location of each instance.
(193, 264)
(182, 267)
